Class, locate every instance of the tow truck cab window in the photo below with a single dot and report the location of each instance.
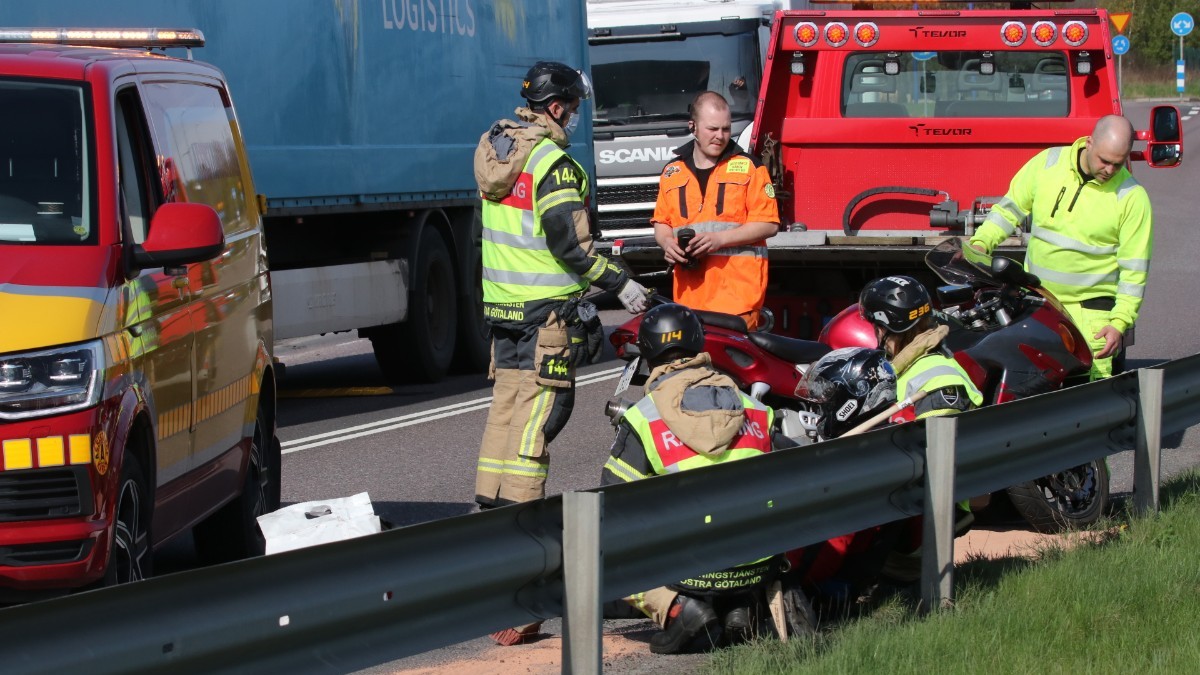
(45, 175)
(956, 84)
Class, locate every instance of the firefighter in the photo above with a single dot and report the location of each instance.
(1091, 236)
(691, 417)
(900, 309)
(538, 259)
(726, 197)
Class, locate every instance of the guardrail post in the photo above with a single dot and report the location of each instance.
(583, 562)
(1148, 453)
(937, 544)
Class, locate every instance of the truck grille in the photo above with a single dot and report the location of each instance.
(628, 194)
(612, 225)
(52, 553)
(44, 493)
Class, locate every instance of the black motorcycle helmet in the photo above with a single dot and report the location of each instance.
(667, 327)
(548, 80)
(894, 303)
(848, 385)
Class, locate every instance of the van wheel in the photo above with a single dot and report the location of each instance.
(421, 348)
(130, 558)
(232, 533)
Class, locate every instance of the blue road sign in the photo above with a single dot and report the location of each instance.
(923, 56)
(1182, 24)
(1120, 44)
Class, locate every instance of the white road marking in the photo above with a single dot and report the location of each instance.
(411, 419)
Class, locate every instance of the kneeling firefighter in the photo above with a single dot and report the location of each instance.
(691, 417)
(901, 311)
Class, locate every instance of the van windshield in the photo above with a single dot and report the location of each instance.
(956, 84)
(44, 181)
(656, 80)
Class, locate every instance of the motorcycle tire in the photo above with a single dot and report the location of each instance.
(1067, 500)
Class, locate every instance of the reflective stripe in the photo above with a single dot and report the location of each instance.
(514, 240)
(1068, 279)
(491, 465)
(1063, 241)
(1010, 205)
(1001, 222)
(526, 468)
(544, 149)
(597, 269)
(1134, 264)
(1129, 184)
(621, 469)
(557, 197)
(1052, 156)
(730, 251)
(919, 380)
(548, 279)
(83, 293)
(537, 418)
(1135, 290)
(712, 226)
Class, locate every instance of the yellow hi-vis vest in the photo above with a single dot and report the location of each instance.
(1087, 240)
(518, 266)
(667, 454)
(932, 372)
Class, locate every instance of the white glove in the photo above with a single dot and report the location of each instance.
(634, 296)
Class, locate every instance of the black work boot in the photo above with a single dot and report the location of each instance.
(737, 625)
(688, 620)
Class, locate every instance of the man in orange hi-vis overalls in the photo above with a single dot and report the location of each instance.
(726, 197)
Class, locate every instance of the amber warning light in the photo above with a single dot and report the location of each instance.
(106, 37)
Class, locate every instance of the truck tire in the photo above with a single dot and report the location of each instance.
(421, 348)
(474, 349)
(131, 558)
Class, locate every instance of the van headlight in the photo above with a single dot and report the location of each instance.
(50, 381)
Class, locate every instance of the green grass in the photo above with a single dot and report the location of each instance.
(1126, 604)
(1158, 83)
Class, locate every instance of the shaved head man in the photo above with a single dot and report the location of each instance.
(1090, 236)
(1107, 149)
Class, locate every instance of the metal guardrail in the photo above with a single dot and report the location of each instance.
(348, 605)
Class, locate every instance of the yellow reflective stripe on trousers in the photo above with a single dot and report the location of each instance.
(487, 465)
(537, 420)
(524, 467)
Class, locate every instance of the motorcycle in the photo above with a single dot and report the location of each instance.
(1014, 339)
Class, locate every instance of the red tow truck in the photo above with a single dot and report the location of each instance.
(887, 130)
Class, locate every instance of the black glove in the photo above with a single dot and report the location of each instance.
(586, 334)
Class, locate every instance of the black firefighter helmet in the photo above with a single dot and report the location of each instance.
(894, 303)
(670, 326)
(848, 385)
(548, 80)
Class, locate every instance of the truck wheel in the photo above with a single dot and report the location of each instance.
(232, 533)
(474, 351)
(421, 348)
(130, 558)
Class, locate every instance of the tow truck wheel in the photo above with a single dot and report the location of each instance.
(232, 533)
(421, 348)
(130, 558)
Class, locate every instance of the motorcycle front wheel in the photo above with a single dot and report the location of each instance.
(1067, 500)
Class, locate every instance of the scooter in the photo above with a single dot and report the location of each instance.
(1014, 339)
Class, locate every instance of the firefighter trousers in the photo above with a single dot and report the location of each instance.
(532, 398)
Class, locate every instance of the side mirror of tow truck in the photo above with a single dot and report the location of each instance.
(1164, 140)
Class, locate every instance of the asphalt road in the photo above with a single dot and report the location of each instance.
(414, 449)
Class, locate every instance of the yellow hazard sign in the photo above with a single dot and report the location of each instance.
(1120, 21)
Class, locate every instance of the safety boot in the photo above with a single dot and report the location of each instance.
(689, 620)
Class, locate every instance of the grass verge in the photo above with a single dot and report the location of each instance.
(1157, 84)
(1123, 603)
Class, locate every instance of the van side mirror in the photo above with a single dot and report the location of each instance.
(180, 233)
(1164, 147)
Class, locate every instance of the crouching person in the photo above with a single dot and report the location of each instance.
(691, 417)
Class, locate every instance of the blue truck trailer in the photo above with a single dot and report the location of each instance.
(361, 120)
